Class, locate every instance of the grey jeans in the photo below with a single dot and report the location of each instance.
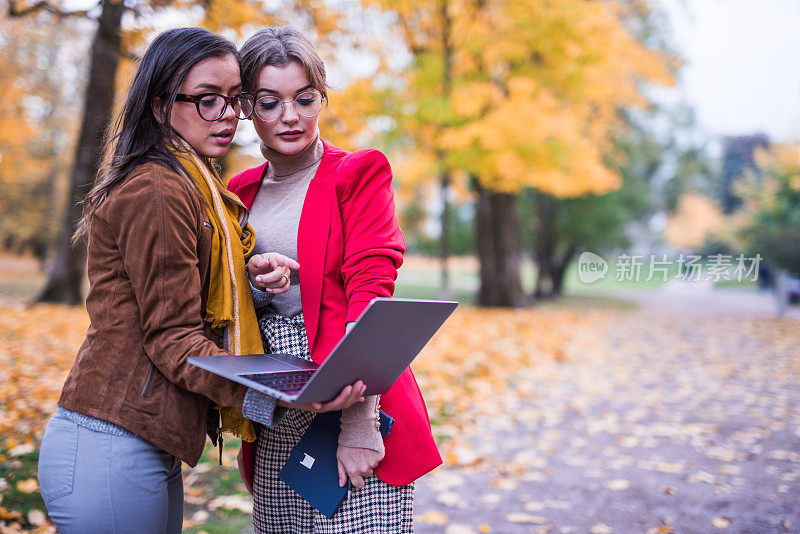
(97, 482)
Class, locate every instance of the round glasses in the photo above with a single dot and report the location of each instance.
(269, 108)
(212, 106)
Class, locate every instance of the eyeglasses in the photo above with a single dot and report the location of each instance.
(270, 108)
(212, 106)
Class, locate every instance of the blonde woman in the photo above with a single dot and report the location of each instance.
(333, 211)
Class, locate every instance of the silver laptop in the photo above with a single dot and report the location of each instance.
(387, 337)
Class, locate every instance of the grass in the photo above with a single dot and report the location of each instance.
(420, 278)
(19, 494)
(432, 292)
(210, 480)
(233, 524)
(736, 284)
(588, 302)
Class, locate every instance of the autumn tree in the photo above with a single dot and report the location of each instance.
(515, 95)
(556, 229)
(65, 279)
(36, 125)
(770, 215)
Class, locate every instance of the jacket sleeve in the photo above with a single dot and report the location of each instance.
(155, 222)
(373, 251)
(373, 243)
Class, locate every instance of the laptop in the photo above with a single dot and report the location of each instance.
(386, 338)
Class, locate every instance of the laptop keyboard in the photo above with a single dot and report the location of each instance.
(288, 382)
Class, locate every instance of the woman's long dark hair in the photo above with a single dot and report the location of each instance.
(137, 135)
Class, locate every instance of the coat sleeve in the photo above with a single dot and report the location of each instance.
(155, 222)
(373, 243)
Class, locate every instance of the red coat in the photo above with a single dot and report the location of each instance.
(351, 195)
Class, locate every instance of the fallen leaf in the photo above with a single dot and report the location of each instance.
(458, 529)
(729, 469)
(505, 484)
(491, 498)
(703, 477)
(526, 518)
(20, 450)
(600, 528)
(433, 517)
(28, 486)
(232, 502)
(534, 506)
(618, 484)
(200, 516)
(9, 515)
(448, 498)
(484, 528)
(720, 522)
(36, 518)
(665, 467)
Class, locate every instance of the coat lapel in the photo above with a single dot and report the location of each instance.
(312, 242)
(249, 184)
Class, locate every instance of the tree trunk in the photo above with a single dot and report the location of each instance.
(498, 248)
(552, 251)
(444, 237)
(558, 270)
(65, 282)
(546, 209)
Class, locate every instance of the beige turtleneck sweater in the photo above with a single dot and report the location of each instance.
(275, 217)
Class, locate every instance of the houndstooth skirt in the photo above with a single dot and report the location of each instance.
(375, 508)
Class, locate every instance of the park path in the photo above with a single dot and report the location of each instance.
(671, 418)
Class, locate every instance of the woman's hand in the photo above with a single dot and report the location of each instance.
(356, 463)
(270, 272)
(241, 472)
(347, 397)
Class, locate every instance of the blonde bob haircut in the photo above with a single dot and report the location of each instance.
(277, 46)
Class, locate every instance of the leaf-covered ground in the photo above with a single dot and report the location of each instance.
(646, 423)
(549, 420)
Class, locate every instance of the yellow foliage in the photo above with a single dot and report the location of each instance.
(696, 219)
(779, 166)
(220, 15)
(523, 94)
(781, 159)
(416, 168)
(470, 100)
(345, 121)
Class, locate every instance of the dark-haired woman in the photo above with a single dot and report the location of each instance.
(334, 211)
(167, 246)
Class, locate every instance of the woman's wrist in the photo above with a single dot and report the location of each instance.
(359, 425)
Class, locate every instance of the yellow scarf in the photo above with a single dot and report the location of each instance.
(230, 307)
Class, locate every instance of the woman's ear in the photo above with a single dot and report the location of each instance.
(157, 105)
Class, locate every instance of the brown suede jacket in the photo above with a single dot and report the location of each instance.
(149, 253)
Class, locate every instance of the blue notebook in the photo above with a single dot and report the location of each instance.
(311, 469)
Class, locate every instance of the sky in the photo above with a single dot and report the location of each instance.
(742, 64)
